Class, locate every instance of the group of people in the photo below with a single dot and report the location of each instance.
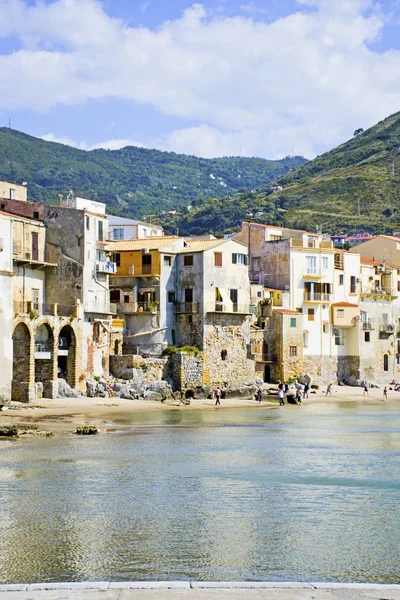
(301, 392)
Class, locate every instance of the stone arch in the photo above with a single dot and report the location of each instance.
(45, 359)
(23, 389)
(66, 362)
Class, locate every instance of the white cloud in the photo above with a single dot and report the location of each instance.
(305, 81)
(107, 145)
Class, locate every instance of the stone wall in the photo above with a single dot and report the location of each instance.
(226, 361)
(153, 368)
(186, 370)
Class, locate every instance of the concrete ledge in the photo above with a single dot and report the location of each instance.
(149, 585)
(193, 585)
(77, 585)
(253, 585)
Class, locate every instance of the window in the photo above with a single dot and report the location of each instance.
(217, 259)
(258, 294)
(311, 314)
(305, 339)
(87, 223)
(339, 338)
(126, 298)
(340, 313)
(311, 262)
(96, 332)
(188, 260)
(35, 246)
(398, 286)
(367, 336)
(385, 362)
(341, 279)
(188, 295)
(325, 327)
(115, 296)
(292, 350)
(224, 354)
(233, 294)
(293, 322)
(12, 194)
(275, 238)
(167, 261)
(324, 262)
(100, 232)
(353, 285)
(35, 300)
(35, 214)
(239, 259)
(171, 296)
(118, 234)
(117, 259)
(189, 319)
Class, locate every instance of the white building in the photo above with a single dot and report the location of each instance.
(6, 306)
(131, 229)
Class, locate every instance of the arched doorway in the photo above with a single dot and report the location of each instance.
(66, 364)
(23, 376)
(267, 374)
(44, 354)
(385, 362)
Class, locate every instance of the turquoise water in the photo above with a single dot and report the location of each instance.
(293, 493)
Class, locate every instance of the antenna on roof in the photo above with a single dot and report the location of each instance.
(9, 123)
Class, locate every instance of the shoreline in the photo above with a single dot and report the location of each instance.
(63, 415)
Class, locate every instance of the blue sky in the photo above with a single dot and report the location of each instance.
(219, 77)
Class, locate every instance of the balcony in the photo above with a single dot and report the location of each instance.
(386, 329)
(368, 325)
(317, 297)
(138, 271)
(106, 266)
(228, 308)
(31, 308)
(186, 308)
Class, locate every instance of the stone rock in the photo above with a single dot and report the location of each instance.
(161, 387)
(66, 391)
(91, 389)
(244, 391)
(155, 396)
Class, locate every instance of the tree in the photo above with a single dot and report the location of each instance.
(358, 131)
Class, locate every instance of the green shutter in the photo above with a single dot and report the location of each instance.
(234, 259)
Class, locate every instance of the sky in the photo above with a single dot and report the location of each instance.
(266, 78)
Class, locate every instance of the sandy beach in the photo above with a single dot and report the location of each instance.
(63, 415)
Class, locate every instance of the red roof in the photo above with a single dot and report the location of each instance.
(345, 304)
(285, 310)
(372, 261)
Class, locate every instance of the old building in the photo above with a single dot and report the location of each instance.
(62, 318)
(143, 291)
(213, 308)
(6, 306)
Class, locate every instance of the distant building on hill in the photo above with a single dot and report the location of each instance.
(130, 229)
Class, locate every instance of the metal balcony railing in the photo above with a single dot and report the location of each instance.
(43, 346)
(317, 297)
(261, 357)
(228, 308)
(106, 267)
(368, 325)
(187, 308)
(386, 328)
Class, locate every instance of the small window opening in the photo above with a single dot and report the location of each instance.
(224, 354)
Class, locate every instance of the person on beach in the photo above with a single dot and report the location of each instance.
(329, 390)
(306, 388)
(385, 390)
(259, 395)
(281, 397)
(298, 396)
(365, 391)
(217, 395)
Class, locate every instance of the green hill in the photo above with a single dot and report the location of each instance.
(132, 181)
(356, 186)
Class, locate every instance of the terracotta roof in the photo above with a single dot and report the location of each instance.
(285, 310)
(372, 261)
(345, 304)
(152, 243)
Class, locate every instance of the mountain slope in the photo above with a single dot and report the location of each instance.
(355, 186)
(132, 181)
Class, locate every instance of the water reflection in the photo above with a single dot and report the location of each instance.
(310, 493)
